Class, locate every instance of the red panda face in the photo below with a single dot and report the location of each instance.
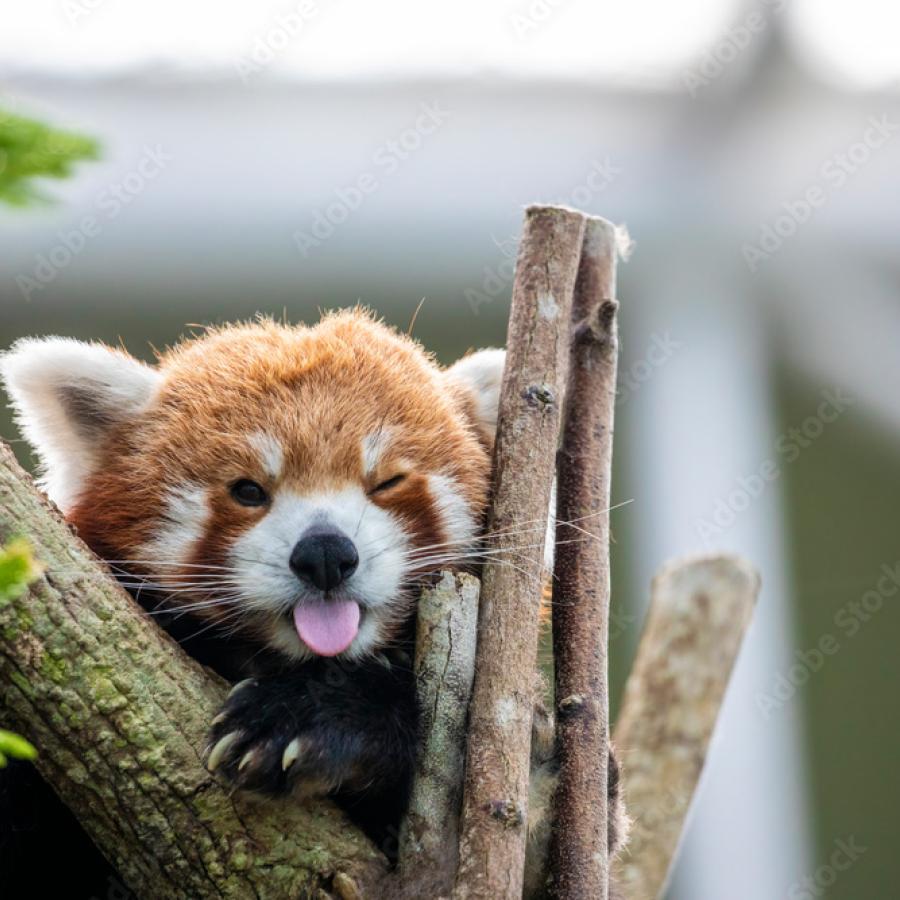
(290, 483)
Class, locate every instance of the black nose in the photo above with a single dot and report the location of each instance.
(325, 558)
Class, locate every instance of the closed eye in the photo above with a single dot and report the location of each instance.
(387, 485)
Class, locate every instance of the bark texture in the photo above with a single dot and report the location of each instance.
(700, 609)
(119, 714)
(579, 865)
(446, 628)
(495, 802)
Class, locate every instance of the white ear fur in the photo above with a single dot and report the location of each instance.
(480, 375)
(67, 395)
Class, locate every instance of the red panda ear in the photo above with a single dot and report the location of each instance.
(67, 397)
(476, 378)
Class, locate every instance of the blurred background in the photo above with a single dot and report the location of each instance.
(283, 157)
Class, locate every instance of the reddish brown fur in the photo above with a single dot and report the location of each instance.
(319, 391)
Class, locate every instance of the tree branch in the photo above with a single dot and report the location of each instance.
(119, 714)
(578, 853)
(447, 620)
(495, 801)
(699, 612)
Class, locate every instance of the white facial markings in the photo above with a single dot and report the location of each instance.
(373, 447)
(261, 558)
(452, 507)
(186, 510)
(270, 453)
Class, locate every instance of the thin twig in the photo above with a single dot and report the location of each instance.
(578, 856)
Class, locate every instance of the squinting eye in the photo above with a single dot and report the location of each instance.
(249, 493)
(387, 485)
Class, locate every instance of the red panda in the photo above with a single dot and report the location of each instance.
(276, 495)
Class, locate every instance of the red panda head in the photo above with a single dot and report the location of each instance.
(287, 482)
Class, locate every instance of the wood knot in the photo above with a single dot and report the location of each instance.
(571, 704)
(607, 312)
(598, 325)
(507, 812)
(540, 396)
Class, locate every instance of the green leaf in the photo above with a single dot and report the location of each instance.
(16, 746)
(18, 568)
(30, 150)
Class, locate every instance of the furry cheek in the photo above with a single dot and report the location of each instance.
(183, 524)
(453, 509)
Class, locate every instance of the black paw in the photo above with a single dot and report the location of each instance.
(268, 742)
(317, 730)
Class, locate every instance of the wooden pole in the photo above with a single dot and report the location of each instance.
(700, 609)
(447, 621)
(579, 865)
(495, 801)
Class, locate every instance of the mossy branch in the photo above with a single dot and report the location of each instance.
(119, 715)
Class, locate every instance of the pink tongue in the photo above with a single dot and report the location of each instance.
(327, 628)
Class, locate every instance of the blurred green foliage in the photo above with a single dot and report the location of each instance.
(31, 150)
(18, 568)
(15, 746)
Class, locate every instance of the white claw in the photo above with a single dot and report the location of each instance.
(240, 685)
(217, 754)
(218, 720)
(246, 759)
(291, 752)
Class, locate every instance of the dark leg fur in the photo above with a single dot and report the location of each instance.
(324, 727)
